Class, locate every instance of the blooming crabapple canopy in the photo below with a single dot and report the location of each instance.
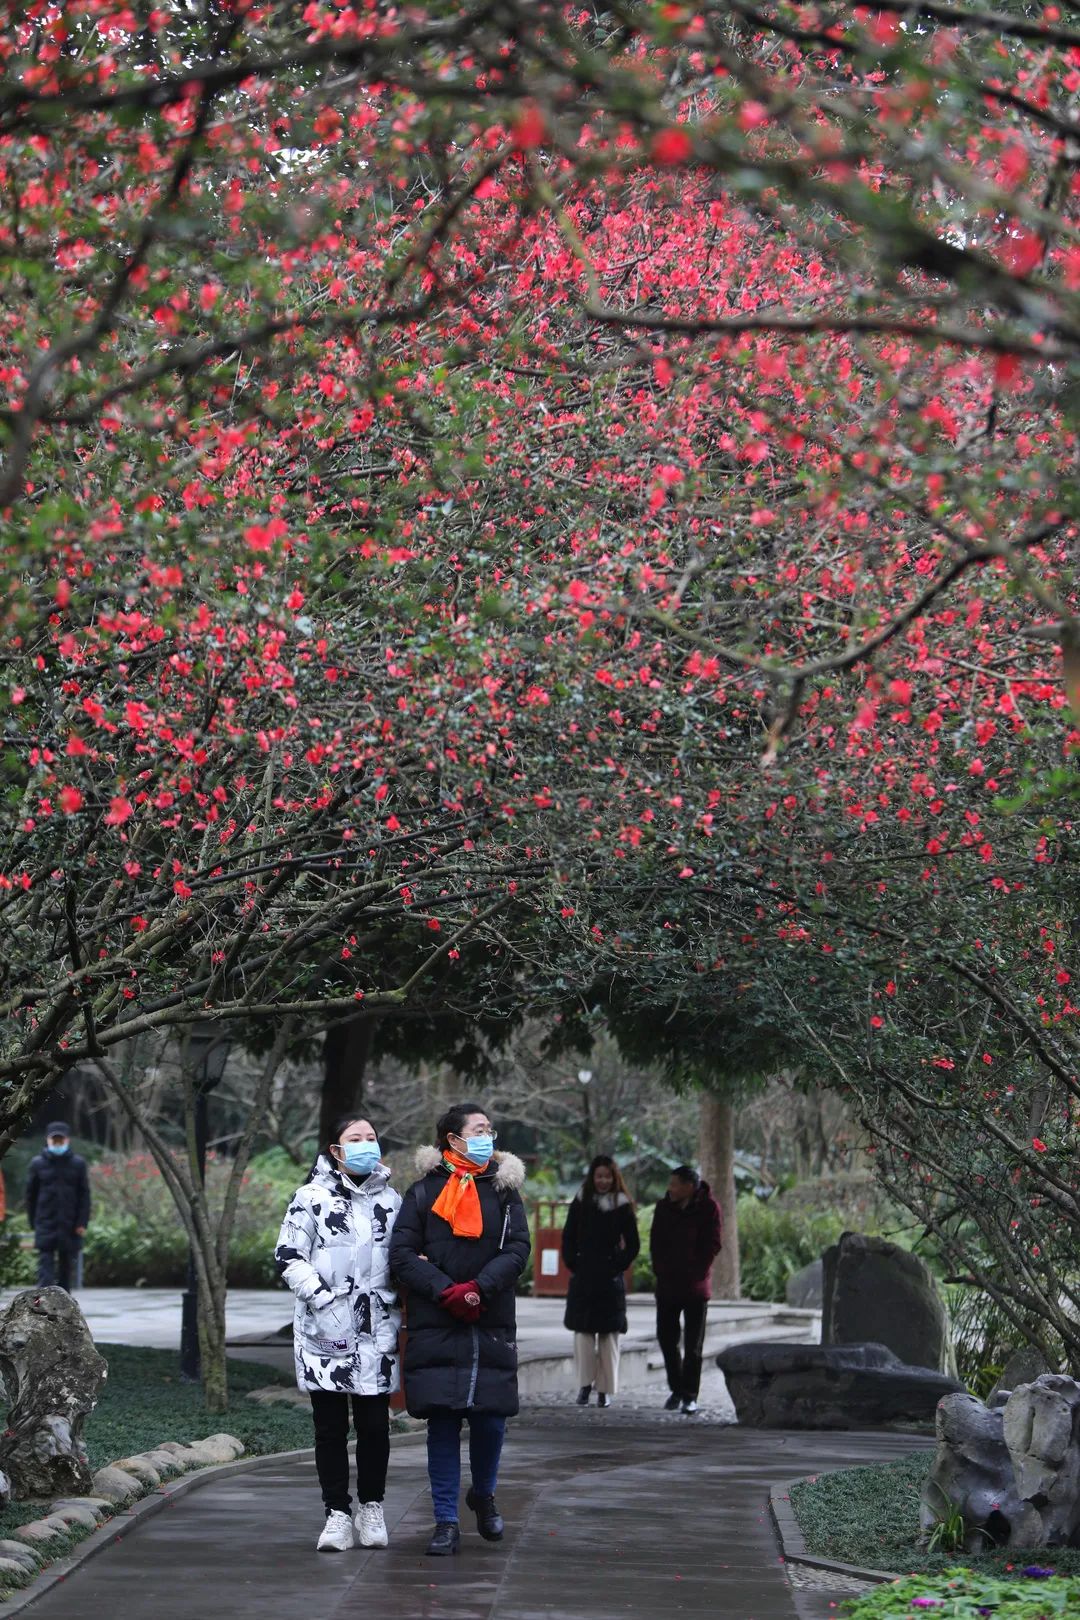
(641, 543)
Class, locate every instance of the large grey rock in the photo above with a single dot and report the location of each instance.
(811, 1386)
(805, 1288)
(875, 1292)
(52, 1375)
(1022, 1367)
(972, 1471)
(1041, 1424)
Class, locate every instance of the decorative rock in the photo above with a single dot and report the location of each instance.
(72, 1515)
(1041, 1425)
(810, 1386)
(218, 1448)
(174, 1448)
(9, 1566)
(279, 1395)
(972, 1471)
(96, 1504)
(142, 1468)
(804, 1288)
(166, 1463)
(46, 1529)
(1023, 1367)
(21, 1553)
(52, 1375)
(876, 1292)
(116, 1485)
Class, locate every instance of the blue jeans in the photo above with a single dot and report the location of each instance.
(486, 1434)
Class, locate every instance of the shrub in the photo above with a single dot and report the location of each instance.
(17, 1265)
(1034, 1593)
(135, 1237)
(777, 1239)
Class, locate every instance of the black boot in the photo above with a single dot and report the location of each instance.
(445, 1541)
(583, 1394)
(488, 1518)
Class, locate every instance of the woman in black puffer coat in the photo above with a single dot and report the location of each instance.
(459, 1245)
(600, 1242)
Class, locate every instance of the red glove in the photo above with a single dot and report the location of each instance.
(462, 1300)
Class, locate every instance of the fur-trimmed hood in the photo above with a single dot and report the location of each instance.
(509, 1169)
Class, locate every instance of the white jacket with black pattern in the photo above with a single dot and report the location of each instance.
(333, 1252)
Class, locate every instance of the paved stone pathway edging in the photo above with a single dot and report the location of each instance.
(793, 1543)
(627, 1519)
(127, 1519)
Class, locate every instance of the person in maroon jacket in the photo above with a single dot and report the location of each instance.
(686, 1237)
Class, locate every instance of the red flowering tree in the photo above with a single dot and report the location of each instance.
(601, 489)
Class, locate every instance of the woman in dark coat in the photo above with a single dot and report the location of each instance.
(599, 1243)
(459, 1245)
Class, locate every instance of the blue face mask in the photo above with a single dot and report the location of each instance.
(361, 1157)
(479, 1148)
(57, 1147)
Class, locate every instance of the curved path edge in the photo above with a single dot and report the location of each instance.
(793, 1543)
(123, 1522)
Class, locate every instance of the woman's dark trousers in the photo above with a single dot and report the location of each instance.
(371, 1420)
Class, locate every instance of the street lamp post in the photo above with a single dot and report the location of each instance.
(208, 1053)
(584, 1077)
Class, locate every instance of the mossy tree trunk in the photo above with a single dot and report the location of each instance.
(716, 1155)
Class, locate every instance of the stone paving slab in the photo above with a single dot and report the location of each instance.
(636, 1518)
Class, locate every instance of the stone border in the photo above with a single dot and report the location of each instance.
(124, 1520)
(793, 1544)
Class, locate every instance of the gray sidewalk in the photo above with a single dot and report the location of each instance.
(151, 1316)
(630, 1521)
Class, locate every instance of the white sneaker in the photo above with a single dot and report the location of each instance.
(338, 1533)
(370, 1525)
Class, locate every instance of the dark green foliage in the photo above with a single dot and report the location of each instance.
(870, 1516)
(965, 1594)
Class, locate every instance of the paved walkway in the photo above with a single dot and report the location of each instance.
(634, 1516)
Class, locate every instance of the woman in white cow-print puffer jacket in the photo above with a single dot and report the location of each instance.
(332, 1252)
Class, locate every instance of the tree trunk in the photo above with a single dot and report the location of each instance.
(716, 1153)
(215, 1378)
(346, 1048)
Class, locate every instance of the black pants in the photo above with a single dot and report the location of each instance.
(56, 1266)
(683, 1371)
(371, 1420)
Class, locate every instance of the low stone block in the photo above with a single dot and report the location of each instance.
(75, 1516)
(803, 1288)
(166, 1463)
(96, 1504)
(218, 1448)
(810, 1386)
(42, 1530)
(21, 1552)
(116, 1485)
(279, 1395)
(142, 1468)
(1022, 1367)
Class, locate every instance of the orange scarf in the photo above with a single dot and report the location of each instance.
(459, 1201)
